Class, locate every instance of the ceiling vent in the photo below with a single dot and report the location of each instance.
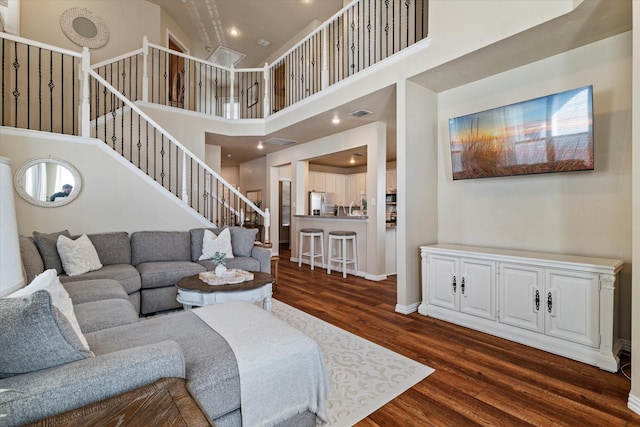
(279, 141)
(360, 113)
(225, 57)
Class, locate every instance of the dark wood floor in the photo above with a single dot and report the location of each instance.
(479, 379)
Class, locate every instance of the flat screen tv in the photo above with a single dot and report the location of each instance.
(553, 133)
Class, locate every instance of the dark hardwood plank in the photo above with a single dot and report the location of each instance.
(479, 379)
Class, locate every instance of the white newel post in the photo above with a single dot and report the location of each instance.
(85, 107)
(10, 262)
(325, 55)
(266, 90)
(267, 224)
(145, 75)
(185, 190)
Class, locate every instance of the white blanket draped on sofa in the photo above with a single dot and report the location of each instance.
(282, 372)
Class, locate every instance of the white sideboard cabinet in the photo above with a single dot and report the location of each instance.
(563, 304)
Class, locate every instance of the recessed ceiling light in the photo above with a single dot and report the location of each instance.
(352, 160)
(234, 32)
(260, 146)
(335, 120)
(228, 154)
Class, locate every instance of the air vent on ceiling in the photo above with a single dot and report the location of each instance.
(279, 141)
(360, 113)
(225, 57)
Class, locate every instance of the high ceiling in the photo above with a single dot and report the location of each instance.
(208, 23)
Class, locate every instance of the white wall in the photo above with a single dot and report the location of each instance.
(252, 176)
(128, 21)
(114, 197)
(582, 213)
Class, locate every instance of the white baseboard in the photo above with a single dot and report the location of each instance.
(634, 403)
(626, 345)
(407, 309)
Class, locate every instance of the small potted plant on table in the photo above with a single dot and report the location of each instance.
(219, 260)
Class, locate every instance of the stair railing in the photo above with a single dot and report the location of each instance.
(134, 135)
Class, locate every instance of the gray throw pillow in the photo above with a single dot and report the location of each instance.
(31, 259)
(46, 243)
(35, 335)
(242, 240)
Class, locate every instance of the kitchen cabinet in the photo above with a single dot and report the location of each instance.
(563, 304)
(330, 183)
(461, 284)
(356, 183)
(341, 188)
(390, 251)
(392, 181)
(317, 180)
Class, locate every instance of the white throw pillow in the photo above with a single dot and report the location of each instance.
(78, 256)
(48, 281)
(212, 244)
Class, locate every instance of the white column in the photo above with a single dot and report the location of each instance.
(10, 262)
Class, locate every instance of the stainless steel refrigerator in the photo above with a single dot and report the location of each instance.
(321, 203)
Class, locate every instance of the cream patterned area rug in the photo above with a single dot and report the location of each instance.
(364, 376)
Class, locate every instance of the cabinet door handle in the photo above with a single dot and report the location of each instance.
(454, 284)
(462, 286)
(549, 302)
(537, 299)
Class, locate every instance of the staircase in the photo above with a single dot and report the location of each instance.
(50, 89)
(44, 96)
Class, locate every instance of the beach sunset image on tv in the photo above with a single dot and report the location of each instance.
(553, 133)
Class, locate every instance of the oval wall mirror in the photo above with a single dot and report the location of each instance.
(48, 183)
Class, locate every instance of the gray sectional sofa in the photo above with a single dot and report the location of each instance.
(126, 351)
(148, 264)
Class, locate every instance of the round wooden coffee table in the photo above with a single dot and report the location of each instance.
(194, 292)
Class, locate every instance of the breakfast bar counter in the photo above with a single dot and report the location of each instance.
(327, 223)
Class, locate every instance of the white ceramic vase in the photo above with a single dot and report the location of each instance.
(220, 270)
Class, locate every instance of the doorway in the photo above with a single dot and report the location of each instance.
(177, 76)
(284, 220)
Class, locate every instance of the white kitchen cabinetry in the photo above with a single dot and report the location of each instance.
(317, 180)
(341, 188)
(330, 183)
(558, 303)
(356, 183)
(392, 180)
(464, 285)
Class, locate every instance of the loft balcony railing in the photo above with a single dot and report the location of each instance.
(362, 34)
(40, 88)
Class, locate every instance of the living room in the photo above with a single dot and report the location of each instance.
(588, 213)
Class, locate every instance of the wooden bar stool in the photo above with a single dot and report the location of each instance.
(342, 237)
(312, 253)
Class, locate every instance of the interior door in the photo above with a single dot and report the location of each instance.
(279, 88)
(177, 77)
(285, 211)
